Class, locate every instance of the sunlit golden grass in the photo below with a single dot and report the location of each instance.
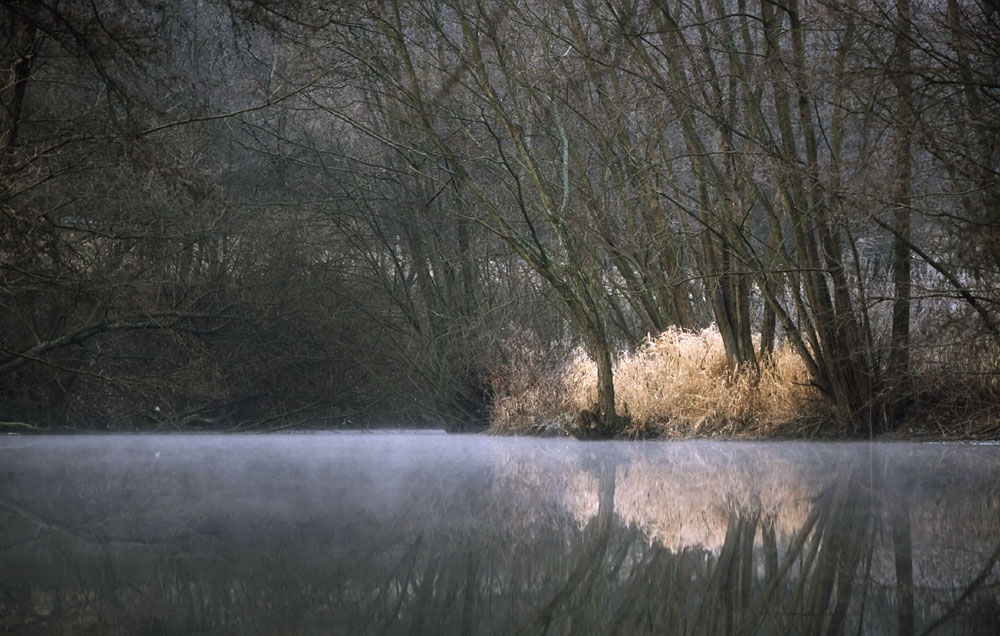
(675, 384)
(680, 383)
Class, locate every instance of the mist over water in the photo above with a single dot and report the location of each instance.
(402, 533)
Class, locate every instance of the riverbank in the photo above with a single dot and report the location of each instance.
(982, 428)
(675, 386)
(679, 385)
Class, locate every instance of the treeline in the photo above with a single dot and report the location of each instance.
(252, 214)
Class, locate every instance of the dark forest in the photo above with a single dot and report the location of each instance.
(263, 214)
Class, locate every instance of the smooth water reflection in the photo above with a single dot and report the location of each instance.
(407, 533)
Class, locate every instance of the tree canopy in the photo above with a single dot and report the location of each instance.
(256, 214)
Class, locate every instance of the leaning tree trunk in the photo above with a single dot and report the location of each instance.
(609, 423)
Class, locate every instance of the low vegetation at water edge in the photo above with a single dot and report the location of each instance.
(679, 384)
(675, 384)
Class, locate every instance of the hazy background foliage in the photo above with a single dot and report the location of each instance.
(256, 214)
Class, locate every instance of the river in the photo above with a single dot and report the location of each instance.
(424, 532)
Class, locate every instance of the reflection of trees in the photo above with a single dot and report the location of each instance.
(864, 556)
(504, 551)
(570, 599)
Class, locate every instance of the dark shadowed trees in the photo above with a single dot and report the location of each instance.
(248, 211)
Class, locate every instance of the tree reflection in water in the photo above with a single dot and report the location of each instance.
(500, 537)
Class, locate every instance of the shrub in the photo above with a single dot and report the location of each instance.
(675, 384)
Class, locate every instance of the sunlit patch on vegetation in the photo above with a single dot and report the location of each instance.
(675, 384)
(679, 384)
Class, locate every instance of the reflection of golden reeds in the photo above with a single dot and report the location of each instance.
(684, 505)
(689, 495)
(675, 384)
(680, 496)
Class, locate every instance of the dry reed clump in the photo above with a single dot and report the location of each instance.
(528, 395)
(680, 383)
(675, 384)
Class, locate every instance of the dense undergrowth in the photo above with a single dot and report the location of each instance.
(679, 385)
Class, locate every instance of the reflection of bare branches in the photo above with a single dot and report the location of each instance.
(902, 548)
(829, 556)
(406, 567)
(972, 587)
(581, 579)
(51, 527)
(83, 532)
(558, 549)
(727, 596)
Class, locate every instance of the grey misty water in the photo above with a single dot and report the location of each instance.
(410, 533)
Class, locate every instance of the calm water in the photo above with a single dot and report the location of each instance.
(409, 533)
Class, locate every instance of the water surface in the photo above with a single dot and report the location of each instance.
(407, 533)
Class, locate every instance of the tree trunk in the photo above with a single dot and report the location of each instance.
(23, 43)
(899, 353)
(608, 420)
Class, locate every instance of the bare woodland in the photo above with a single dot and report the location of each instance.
(253, 214)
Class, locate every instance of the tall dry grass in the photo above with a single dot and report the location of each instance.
(955, 386)
(529, 393)
(675, 384)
